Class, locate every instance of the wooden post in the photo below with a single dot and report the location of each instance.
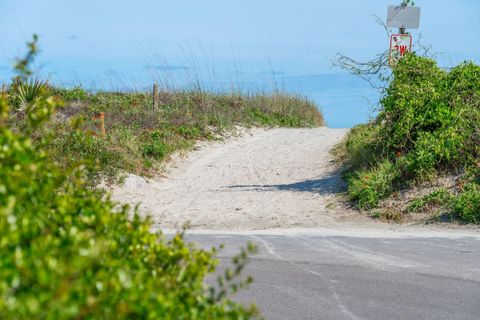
(154, 96)
(102, 124)
(101, 117)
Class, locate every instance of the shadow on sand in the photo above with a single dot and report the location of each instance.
(328, 185)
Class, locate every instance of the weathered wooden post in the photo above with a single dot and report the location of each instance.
(154, 96)
(100, 121)
(102, 124)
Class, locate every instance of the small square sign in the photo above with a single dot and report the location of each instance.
(400, 44)
(403, 17)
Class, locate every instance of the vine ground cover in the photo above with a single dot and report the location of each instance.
(428, 127)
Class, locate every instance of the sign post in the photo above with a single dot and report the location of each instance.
(401, 17)
(400, 44)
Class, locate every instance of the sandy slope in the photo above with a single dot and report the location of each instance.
(279, 178)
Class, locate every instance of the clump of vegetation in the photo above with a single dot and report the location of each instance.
(67, 253)
(389, 215)
(437, 198)
(467, 204)
(139, 138)
(428, 126)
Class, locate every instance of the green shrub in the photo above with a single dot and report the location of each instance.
(439, 197)
(413, 103)
(80, 147)
(69, 94)
(368, 187)
(428, 125)
(66, 253)
(361, 146)
(192, 132)
(27, 93)
(467, 204)
(156, 147)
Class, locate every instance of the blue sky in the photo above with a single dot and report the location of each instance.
(126, 44)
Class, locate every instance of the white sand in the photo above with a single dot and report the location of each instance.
(278, 178)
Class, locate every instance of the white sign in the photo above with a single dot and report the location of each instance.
(400, 44)
(403, 17)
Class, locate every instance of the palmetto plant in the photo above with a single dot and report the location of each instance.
(26, 94)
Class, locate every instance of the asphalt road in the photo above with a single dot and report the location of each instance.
(338, 277)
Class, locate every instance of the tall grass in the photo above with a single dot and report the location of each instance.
(192, 107)
(139, 138)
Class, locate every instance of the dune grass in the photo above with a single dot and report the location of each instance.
(138, 139)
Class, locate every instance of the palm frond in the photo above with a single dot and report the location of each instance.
(28, 93)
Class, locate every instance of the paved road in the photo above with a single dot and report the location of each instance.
(339, 277)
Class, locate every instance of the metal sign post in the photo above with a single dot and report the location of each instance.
(401, 17)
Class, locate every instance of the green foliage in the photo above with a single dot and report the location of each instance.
(192, 132)
(428, 125)
(85, 148)
(467, 204)
(368, 187)
(156, 147)
(361, 146)
(22, 65)
(139, 139)
(27, 93)
(69, 94)
(439, 197)
(32, 105)
(67, 253)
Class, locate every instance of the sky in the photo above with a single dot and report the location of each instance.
(241, 44)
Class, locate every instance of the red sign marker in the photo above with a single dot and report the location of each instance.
(400, 44)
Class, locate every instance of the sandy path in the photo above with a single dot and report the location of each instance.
(279, 178)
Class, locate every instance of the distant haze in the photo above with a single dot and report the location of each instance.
(242, 44)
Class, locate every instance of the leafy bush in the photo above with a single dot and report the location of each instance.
(428, 125)
(369, 186)
(467, 204)
(191, 132)
(85, 148)
(67, 252)
(361, 146)
(156, 147)
(439, 197)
